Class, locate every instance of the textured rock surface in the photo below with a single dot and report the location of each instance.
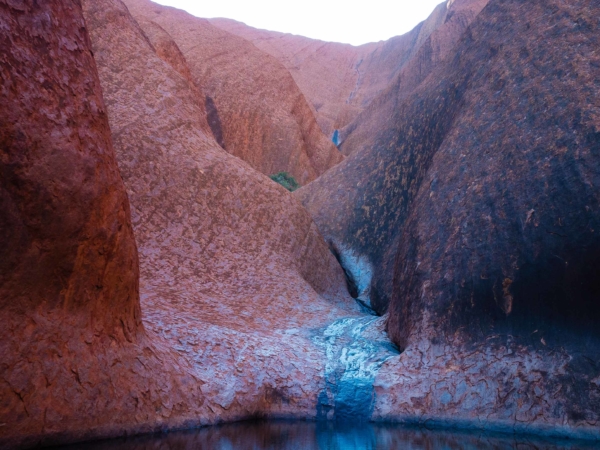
(288, 435)
(484, 184)
(235, 277)
(483, 179)
(442, 32)
(341, 80)
(360, 205)
(236, 282)
(71, 335)
(255, 108)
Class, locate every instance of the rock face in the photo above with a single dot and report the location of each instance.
(479, 191)
(67, 240)
(360, 205)
(235, 278)
(255, 109)
(69, 298)
(237, 284)
(484, 184)
(327, 73)
(341, 80)
(442, 32)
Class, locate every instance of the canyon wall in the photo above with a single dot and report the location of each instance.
(360, 205)
(341, 80)
(467, 212)
(470, 215)
(236, 283)
(254, 107)
(71, 329)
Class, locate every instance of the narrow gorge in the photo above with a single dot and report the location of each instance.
(438, 266)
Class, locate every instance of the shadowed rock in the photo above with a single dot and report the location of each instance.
(361, 204)
(480, 192)
(445, 27)
(502, 229)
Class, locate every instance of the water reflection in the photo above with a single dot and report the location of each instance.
(327, 436)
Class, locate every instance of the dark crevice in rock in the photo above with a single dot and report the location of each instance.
(358, 273)
(214, 121)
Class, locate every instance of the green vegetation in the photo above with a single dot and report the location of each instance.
(286, 180)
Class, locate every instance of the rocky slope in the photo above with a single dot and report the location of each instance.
(478, 196)
(327, 73)
(237, 285)
(341, 80)
(478, 190)
(254, 107)
(432, 49)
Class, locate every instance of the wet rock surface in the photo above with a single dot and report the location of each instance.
(479, 199)
(254, 106)
(355, 349)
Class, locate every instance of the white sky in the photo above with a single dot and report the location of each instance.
(350, 21)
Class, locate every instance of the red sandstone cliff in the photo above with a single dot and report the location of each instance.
(341, 80)
(255, 109)
(71, 334)
(432, 49)
(225, 253)
(482, 181)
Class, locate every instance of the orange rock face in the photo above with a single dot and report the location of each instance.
(255, 109)
(69, 267)
(235, 277)
(341, 80)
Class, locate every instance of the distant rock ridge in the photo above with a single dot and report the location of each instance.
(433, 48)
(340, 80)
(255, 110)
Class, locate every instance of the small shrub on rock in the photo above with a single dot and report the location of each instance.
(286, 180)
